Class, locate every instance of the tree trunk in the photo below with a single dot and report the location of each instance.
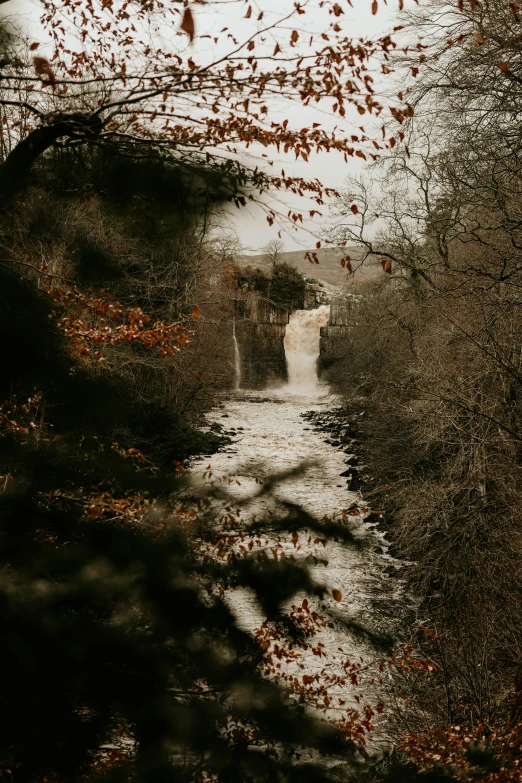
(15, 168)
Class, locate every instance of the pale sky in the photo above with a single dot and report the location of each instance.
(250, 222)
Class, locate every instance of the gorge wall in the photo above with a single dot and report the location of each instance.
(260, 332)
(336, 336)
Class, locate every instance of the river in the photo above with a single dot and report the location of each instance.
(272, 437)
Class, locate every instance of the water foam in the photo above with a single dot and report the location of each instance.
(302, 341)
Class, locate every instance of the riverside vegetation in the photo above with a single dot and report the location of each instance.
(122, 657)
(434, 359)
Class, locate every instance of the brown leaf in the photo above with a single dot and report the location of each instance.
(504, 67)
(249, 12)
(34, 46)
(276, 50)
(375, 7)
(187, 24)
(43, 68)
(196, 312)
(294, 37)
(337, 595)
(355, 209)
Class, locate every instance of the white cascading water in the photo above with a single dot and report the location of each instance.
(302, 340)
(237, 358)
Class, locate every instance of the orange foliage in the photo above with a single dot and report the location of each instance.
(461, 750)
(89, 338)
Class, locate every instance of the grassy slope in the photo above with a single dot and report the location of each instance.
(328, 270)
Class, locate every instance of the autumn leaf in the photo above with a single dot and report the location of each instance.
(294, 37)
(43, 68)
(196, 312)
(187, 24)
(337, 595)
(34, 46)
(355, 209)
(249, 12)
(375, 7)
(479, 39)
(504, 67)
(276, 50)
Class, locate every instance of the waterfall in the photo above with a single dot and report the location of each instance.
(237, 358)
(302, 348)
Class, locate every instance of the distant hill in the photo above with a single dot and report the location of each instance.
(328, 270)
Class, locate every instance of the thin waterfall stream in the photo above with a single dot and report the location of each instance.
(271, 436)
(237, 358)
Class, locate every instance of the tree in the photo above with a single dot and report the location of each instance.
(148, 100)
(287, 287)
(273, 250)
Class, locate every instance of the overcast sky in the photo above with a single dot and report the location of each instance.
(330, 168)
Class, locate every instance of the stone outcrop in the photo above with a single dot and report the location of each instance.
(336, 340)
(260, 333)
(318, 293)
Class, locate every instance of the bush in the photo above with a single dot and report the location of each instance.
(287, 289)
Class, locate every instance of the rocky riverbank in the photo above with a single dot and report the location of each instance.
(343, 429)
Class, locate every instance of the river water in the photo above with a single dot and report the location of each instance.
(272, 437)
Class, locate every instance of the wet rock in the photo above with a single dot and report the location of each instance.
(373, 518)
(355, 483)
